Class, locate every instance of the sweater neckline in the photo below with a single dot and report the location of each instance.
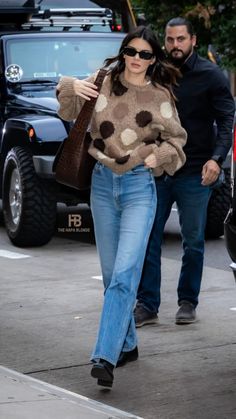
(131, 85)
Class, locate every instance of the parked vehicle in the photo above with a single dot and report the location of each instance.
(230, 221)
(40, 41)
(221, 197)
(38, 47)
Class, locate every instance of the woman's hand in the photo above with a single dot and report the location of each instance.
(85, 89)
(151, 161)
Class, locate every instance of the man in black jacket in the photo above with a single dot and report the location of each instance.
(203, 101)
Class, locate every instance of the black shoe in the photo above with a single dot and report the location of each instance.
(103, 371)
(186, 313)
(143, 316)
(127, 357)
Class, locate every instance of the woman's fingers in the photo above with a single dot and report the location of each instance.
(84, 96)
(85, 89)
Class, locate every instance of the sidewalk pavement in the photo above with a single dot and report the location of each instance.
(24, 397)
(49, 311)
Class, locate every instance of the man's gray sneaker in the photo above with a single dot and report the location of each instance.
(186, 313)
(143, 316)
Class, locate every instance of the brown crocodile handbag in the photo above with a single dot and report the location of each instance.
(73, 165)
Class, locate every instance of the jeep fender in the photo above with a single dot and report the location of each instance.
(18, 131)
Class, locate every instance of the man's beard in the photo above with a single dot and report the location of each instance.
(179, 61)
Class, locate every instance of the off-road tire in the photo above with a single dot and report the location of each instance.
(218, 208)
(29, 207)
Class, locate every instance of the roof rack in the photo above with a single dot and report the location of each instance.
(69, 18)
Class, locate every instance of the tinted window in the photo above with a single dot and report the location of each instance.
(53, 57)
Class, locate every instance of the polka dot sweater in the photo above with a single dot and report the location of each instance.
(128, 126)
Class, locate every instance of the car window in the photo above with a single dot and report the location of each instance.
(54, 57)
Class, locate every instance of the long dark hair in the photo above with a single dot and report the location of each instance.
(161, 71)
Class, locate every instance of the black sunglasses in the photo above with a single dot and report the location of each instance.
(144, 55)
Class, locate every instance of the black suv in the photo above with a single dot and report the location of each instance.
(230, 222)
(39, 42)
(38, 46)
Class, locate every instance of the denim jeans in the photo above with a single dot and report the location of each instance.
(192, 200)
(123, 209)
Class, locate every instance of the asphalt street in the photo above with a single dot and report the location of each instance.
(51, 298)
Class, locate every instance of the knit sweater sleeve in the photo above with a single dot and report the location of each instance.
(169, 149)
(70, 103)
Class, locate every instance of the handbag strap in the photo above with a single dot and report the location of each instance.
(82, 121)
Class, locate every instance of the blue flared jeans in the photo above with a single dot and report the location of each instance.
(123, 209)
(192, 200)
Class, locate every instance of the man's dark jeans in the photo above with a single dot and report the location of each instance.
(191, 199)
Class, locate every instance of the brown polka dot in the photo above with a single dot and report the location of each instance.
(145, 97)
(99, 144)
(121, 110)
(106, 129)
(119, 89)
(143, 118)
(122, 160)
(149, 141)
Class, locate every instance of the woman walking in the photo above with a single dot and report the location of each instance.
(136, 134)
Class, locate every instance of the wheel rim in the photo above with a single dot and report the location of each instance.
(15, 197)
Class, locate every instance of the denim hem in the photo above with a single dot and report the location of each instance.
(129, 349)
(97, 357)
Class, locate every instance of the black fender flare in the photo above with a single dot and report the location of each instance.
(31, 129)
